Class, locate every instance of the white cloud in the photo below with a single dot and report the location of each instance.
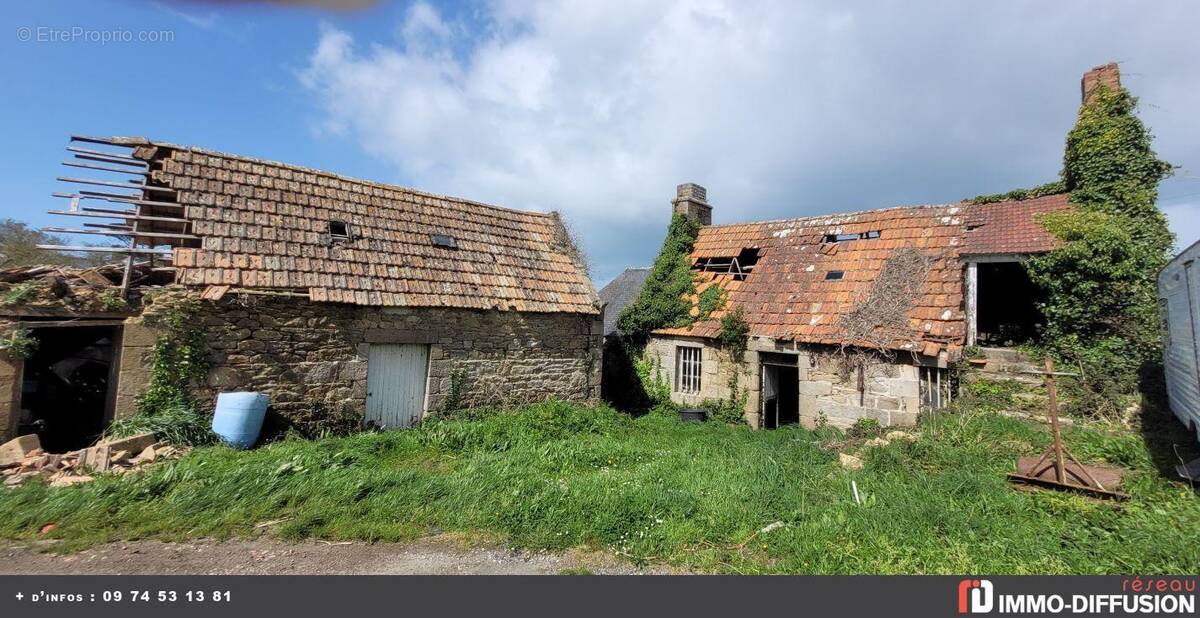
(780, 108)
(204, 22)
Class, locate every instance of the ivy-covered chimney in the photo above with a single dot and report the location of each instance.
(692, 200)
(1104, 75)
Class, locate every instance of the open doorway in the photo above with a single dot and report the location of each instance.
(65, 390)
(1007, 312)
(780, 391)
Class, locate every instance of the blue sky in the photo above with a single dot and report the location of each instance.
(598, 109)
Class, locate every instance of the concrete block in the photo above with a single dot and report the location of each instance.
(132, 444)
(16, 449)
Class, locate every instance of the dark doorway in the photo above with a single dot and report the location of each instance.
(780, 395)
(65, 391)
(1007, 312)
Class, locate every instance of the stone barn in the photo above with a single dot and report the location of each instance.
(855, 315)
(335, 296)
(860, 315)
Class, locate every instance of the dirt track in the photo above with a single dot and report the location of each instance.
(431, 556)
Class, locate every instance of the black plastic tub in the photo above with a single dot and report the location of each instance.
(693, 415)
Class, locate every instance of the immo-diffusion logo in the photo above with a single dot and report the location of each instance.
(975, 596)
(1166, 595)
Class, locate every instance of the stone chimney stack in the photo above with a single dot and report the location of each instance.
(692, 200)
(1103, 75)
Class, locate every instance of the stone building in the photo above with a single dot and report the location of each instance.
(334, 296)
(854, 315)
(858, 315)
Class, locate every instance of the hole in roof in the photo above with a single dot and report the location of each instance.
(339, 230)
(848, 237)
(739, 266)
(834, 275)
(444, 240)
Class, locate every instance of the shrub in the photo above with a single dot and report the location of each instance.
(731, 411)
(865, 428)
(656, 386)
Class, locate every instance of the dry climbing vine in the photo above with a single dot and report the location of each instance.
(882, 319)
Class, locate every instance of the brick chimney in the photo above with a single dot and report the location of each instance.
(1104, 75)
(692, 200)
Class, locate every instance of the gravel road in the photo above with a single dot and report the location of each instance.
(438, 555)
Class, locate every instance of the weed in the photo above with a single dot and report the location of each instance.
(653, 380)
(865, 428)
(18, 294)
(19, 343)
(175, 423)
(554, 476)
(111, 300)
(456, 392)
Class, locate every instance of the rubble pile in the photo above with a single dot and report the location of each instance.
(75, 288)
(23, 459)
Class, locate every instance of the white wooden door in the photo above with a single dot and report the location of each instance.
(396, 375)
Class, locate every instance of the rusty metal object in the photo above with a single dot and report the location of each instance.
(1058, 468)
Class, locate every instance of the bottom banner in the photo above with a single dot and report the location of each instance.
(565, 595)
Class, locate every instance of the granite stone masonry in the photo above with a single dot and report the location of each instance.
(308, 356)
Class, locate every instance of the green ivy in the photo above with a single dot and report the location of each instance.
(1100, 308)
(712, 299)
(663, 300)
(456, 393)
(1050, 188)
(734, 331)
(178, 361)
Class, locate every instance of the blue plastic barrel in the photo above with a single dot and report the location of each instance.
(238, 418)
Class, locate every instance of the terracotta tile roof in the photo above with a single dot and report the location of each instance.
(1011, 227)
(265, 225)
(788, 296)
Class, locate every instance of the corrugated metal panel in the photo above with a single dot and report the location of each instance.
(396, 376)
(1179, 294)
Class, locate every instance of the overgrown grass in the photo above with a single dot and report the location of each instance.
(556, 475)
(176, 423)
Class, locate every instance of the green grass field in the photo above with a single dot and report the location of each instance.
(652, 489)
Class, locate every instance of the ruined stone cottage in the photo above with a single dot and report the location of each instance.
(858, 315)
(330, 294)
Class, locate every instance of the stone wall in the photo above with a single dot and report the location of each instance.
(311, 358)
(10, 395)
(827, 392)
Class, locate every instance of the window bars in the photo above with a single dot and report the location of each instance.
(687, 369)
(937, 387)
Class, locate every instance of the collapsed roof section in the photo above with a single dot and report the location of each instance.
(246, 224)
